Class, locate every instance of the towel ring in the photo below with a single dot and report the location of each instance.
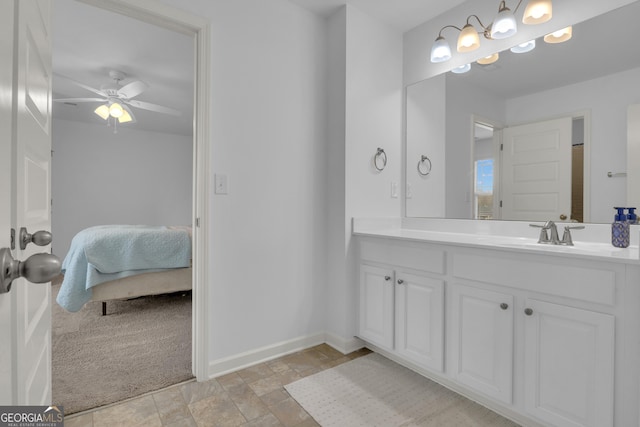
(380, 154)
(424, 168)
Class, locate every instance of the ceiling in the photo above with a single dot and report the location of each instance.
(88, 42)
(402, 15)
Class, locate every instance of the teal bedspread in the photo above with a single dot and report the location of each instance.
(108, 252)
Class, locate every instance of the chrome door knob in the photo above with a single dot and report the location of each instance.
(38, 268)
(528, 311)
(39, 238)
(504, 306)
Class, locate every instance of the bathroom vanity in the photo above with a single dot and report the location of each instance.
(546, 335)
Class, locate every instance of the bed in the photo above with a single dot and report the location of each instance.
(123, 262)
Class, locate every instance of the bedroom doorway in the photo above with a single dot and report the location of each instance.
(197, 30)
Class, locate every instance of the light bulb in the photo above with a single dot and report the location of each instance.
(468, 39)
(504, 25)
(537, 12)
(440, 51)
(488, 59)
(524, 47)
(115, 110)
(102, 111)
(559, 36)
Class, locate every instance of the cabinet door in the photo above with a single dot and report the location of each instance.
(569, 357)
(482, 340)
(419, 320)
(376, 306)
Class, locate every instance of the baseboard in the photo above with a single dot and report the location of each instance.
(243, 360)
(344, 346)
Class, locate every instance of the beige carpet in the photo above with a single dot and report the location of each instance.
(140, 346)
(374, 391)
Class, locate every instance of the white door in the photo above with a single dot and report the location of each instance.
(536, 171)
(419, 320)
(376, 306)
(481, 335)
(25, 148)
(568, 365)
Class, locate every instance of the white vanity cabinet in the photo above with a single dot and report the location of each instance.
(481, 340)
(545, 340)
(401, 309)
(568, 365)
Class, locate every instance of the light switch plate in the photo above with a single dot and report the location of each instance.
(221, 184)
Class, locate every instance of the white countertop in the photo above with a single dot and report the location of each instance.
(499, 237)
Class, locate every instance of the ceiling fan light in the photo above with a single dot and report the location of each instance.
(440, 51)
(504, 25)
(461, 69)
(102, 111)
(116, 110)
(537, 12)
(125, 118)
(524, 47)
(488, 59)
(559, 36)
(468, 40)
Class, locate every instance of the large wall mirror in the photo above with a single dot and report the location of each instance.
(535, 136)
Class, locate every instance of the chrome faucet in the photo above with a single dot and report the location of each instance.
(554, 239)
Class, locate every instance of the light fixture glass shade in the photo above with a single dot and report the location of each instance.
(488, 59)
(537, 12)
(559, 36)
(102, 111)
(524, 47)
(440, 51)
(116, 110)
(468, 39)
(504, 25)
(461, 69)
(125, 118)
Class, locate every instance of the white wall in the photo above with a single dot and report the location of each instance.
(268, 135)
(607, 99)
(426, 135)
(369, 69)
(132, 177)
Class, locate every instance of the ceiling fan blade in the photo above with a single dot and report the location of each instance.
(80, 100)
(154, 107)
(132, 89)
(89, 88)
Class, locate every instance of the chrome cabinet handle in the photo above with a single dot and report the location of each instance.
(38, 268)
(528, 311)
(504, 306)
(39, 238)
(387, 278)
(400, 281)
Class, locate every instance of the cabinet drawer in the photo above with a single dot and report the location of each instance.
(417, 256)
(590, 284)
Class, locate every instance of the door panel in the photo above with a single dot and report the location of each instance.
(482, 340)
(26, 310)
(419, 320)
(569, 365)
(536, 173)
(376, 305)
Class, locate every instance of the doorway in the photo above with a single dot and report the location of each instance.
(197, 29)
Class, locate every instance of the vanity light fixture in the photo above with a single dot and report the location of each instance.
(488, 59)
(503, 26)
(559, 36)
(524, 47)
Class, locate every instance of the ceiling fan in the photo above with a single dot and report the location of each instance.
(116, 99)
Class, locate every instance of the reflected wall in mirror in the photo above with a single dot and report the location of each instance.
(587, 83)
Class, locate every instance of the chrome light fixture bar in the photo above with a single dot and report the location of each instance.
(503, 26)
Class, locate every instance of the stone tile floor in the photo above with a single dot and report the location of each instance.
(254, 396)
